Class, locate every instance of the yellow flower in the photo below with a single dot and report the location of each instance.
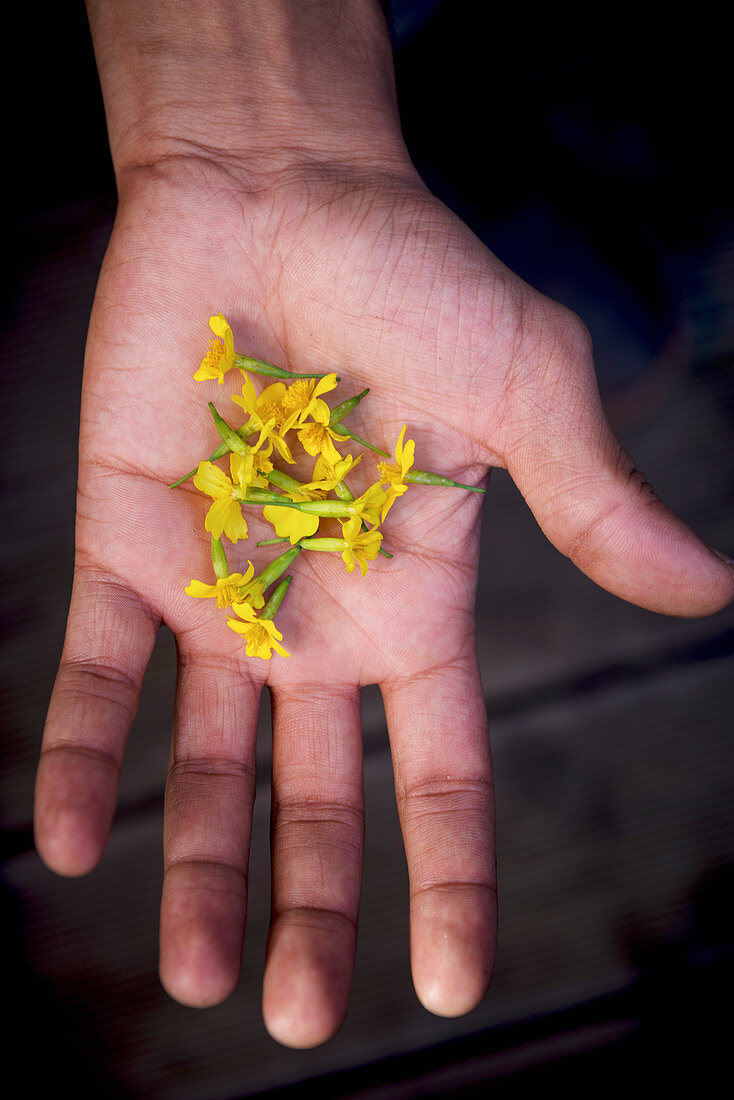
(326, 475)
(221, 354)
(267, 411)
(304, 398)
(361, 546)
(368, 506)
(262, 635)
(225, 514)
(394, 475)
(317, 438)
(236, 588)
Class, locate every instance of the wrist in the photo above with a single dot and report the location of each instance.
(267, 84)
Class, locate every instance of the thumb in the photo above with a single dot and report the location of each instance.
(596, 507)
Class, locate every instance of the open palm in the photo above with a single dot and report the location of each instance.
(374, 279)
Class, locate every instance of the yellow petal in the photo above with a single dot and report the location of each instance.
(351, 528)
(199, 589)
(274, 393)
(219, 325)
(211, 480)
(206, 372)
(225, 516)
(291, 524)
(234, 624)
(279, 648)
(244, 610)
(328, 382)
(320, 411)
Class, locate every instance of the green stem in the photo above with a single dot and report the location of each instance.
(244, 432)
(358, 439)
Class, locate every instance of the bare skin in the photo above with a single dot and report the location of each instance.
(331, 263)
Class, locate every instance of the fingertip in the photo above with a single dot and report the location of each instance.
(649, 556)
(72, 817)
(195, 982)
(65, 849)
(202, 927)
(299, 1027)
(721, 592)
(307, 979)
(452, 948)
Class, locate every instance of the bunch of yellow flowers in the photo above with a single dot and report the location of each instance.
(294, 508)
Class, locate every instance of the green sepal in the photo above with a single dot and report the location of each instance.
(424, 477)
(310, 507)
(254, 495)
(260, 366)
(284, 481)
(347, 406)
(327, 508)
(277, 567)
(244, 433)
(268, 612)
(219, 559)
(323, 544)
(343, 491)
(228, 435)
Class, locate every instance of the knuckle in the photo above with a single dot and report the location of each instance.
(212, 768)
(98, 679)
(295, 812)
(551, 338)
(444, 797)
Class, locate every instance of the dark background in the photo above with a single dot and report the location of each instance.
(591, 159)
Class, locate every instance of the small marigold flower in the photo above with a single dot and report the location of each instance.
(394, 475)
(326, 475)
(359, 546)
(370, 504)
(221, 354)
(317, 439)
(225, 515)
(233, 589)
(304, 398)
(268, 412)
(261, 635)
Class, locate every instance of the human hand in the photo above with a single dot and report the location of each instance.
(343, 264)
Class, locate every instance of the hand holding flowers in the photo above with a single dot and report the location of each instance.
(298, 511)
